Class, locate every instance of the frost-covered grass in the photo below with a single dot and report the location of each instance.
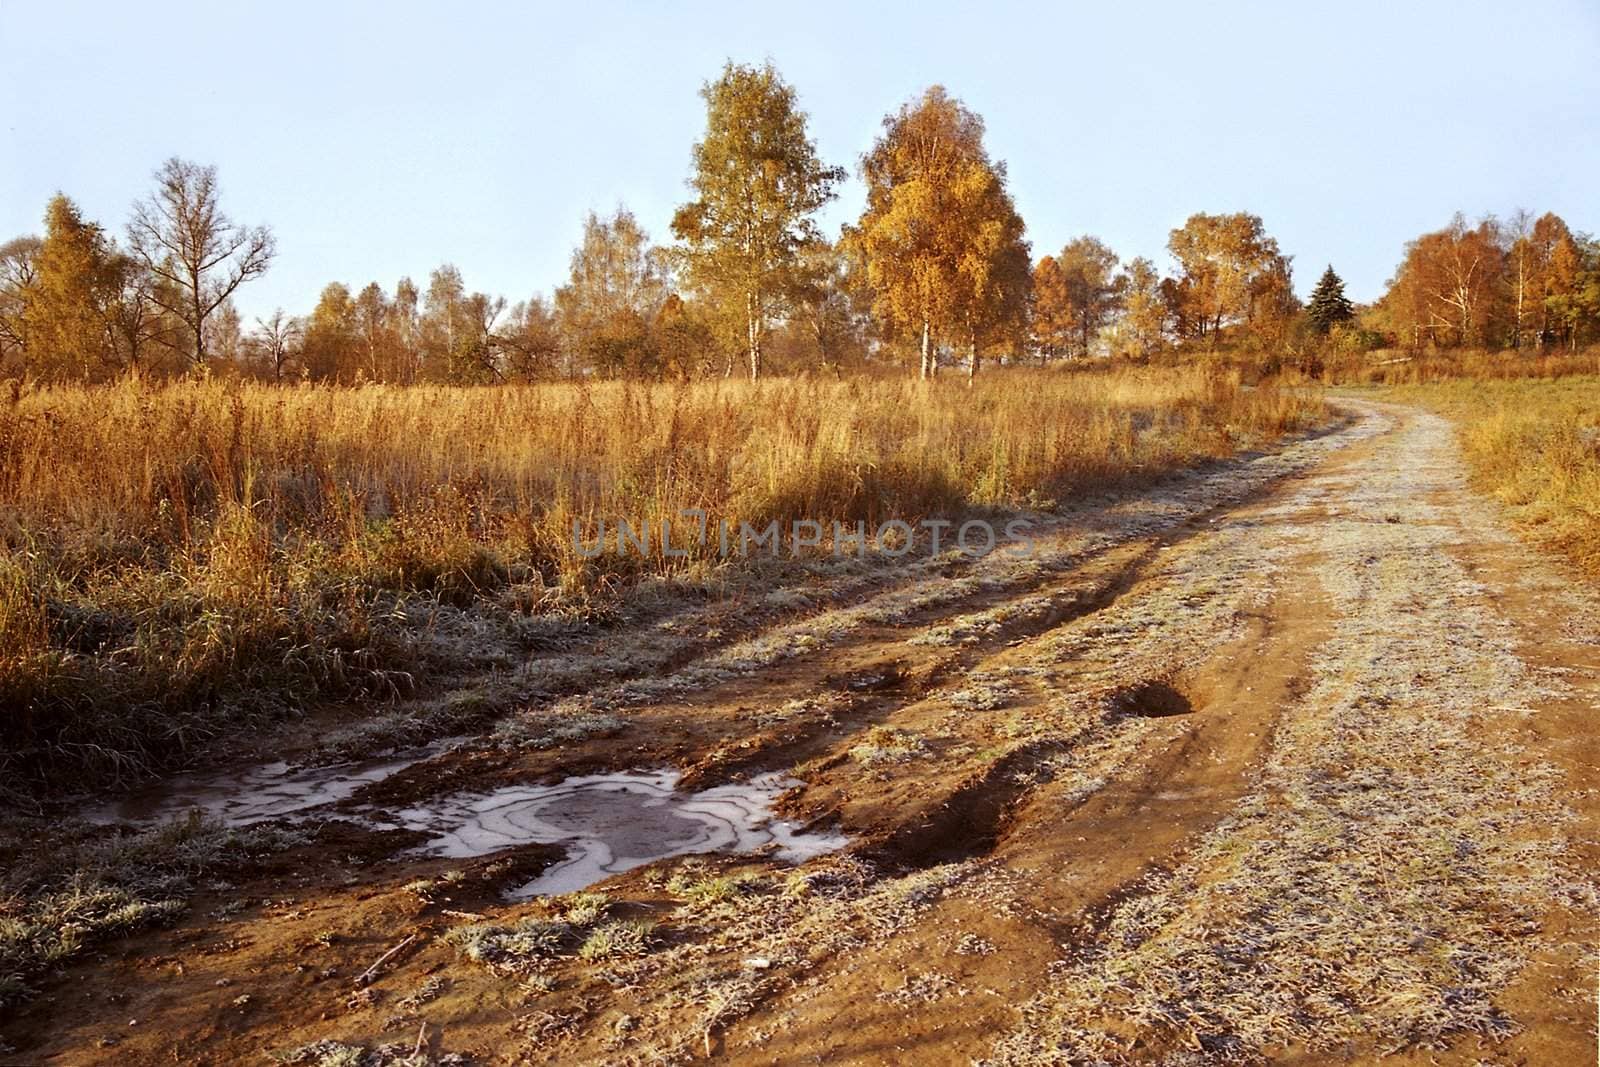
(1534, 443)
(57, 901)
(573, 925)
(886, 744)
(618, 939)
(339, 1054)
(511, 947)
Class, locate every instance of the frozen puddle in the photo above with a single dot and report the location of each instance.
(612, 823)
(270, 791)
(608, 823)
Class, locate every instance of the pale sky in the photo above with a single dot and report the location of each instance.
(382, 139)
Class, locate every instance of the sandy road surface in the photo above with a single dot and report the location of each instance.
(1294, 760)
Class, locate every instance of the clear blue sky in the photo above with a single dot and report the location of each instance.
(381, 139)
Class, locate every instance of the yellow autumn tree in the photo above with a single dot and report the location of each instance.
(940, 238)
(994, 272)
(757, 182)
(1143, 315)
(1446, 288)
(1232, 273)
(70, 309)
(1054, 328)
(1076, 292)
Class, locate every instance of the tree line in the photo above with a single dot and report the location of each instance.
(937, 272)
(1516, 283)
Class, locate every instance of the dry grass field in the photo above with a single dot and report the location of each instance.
(183, 558)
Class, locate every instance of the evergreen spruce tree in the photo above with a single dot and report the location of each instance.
(1329, 306)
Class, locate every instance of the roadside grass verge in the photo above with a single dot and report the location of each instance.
(57, 901)
(1534, 444)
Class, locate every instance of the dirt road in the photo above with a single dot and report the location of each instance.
(1292, 760)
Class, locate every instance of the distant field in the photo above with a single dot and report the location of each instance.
(1534, 443)
(180, 557)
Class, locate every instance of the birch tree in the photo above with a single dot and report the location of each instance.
(198, 255)
(757, 182)
(940, 238)
(1447, 285)
(275, 339)
(994, 272)
(1521, 267)
(19, 277)
(1143, 314)
(1231, 271)
(1076, 292)
(617, 284)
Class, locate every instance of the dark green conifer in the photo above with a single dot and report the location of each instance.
(1329, 306)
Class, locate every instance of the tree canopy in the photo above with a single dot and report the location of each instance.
(758, 183)
(197, 255)
(940, 238)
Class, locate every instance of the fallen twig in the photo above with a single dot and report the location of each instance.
(367, 974)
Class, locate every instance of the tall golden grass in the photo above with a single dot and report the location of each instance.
(1534, 443)
(183, 556)
(1398, 367)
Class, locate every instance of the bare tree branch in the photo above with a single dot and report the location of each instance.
(199, 254)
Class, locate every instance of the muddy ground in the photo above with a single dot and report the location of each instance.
(1293, 760)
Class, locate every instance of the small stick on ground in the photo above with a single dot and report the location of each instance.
(422, 1036)
(366, 975)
